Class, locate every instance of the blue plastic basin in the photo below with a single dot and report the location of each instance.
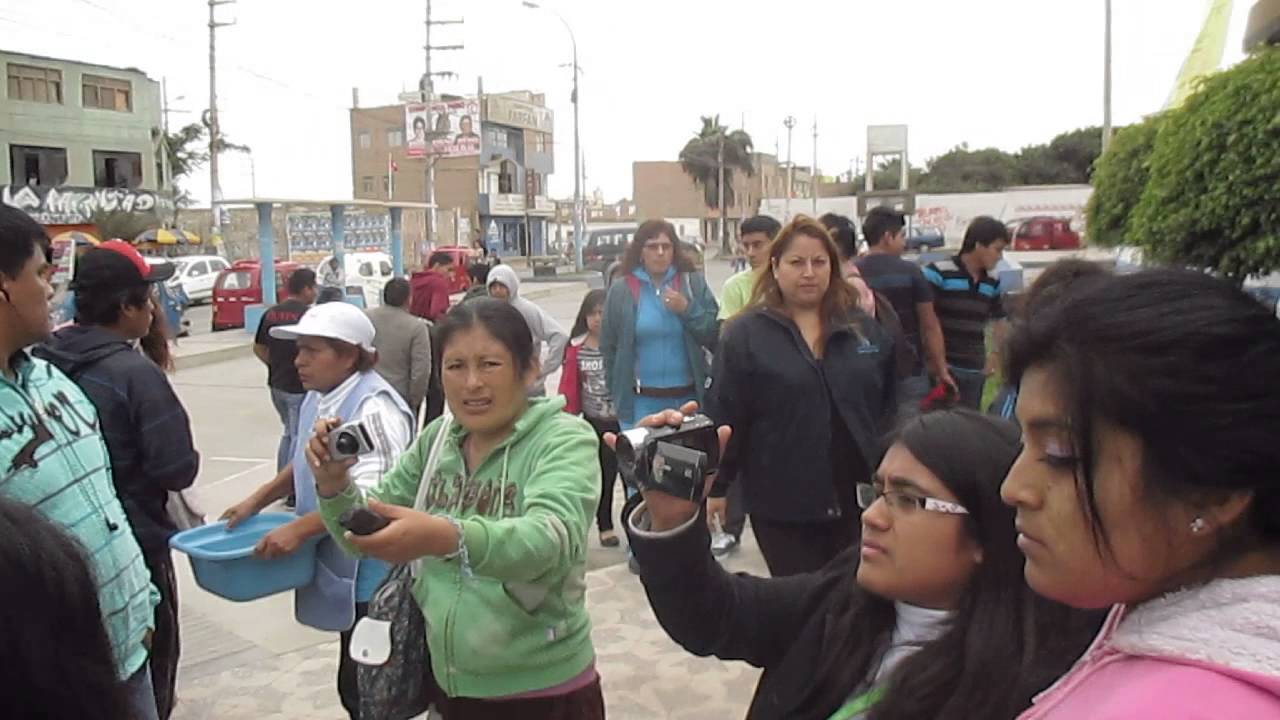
(224, 564)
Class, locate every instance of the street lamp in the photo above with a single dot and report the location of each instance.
(789, 123)
(578, 240)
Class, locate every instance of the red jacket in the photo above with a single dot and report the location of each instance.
(430, 295)
(570, 387)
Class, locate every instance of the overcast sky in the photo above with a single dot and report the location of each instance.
(1002, 73)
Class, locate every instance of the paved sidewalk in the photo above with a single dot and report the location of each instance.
(646, 675)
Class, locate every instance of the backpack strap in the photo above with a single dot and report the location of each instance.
(633, 283)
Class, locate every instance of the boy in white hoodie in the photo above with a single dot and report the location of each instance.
(548, 335)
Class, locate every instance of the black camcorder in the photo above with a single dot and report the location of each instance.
(674, 460)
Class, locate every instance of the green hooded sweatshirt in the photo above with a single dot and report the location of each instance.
(515, 619)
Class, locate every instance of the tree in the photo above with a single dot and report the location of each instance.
(1210, 201)
(1119, 178)
(701, 157)
(118, 224)
(963, 170)
(188, 151)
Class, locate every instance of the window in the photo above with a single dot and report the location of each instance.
(366, 183)
(395, 137)
(385, 267)
(497, 138)
(366, 269)
(506, 177)
(540, 142)
(386, 185)
(35, 84)
(218, 265)
(366, 141)
(117, 169)
(198, 269)
(107, 93)
(240, 280)
(42, 166)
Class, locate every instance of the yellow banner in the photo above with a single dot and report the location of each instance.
(1206, 54)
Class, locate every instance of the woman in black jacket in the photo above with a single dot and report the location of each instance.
(806, 380)
(930, 618)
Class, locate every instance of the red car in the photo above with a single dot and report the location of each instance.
(241, 285)
(1043, 233)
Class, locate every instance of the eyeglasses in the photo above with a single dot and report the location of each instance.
(905, 502)
(661, 248)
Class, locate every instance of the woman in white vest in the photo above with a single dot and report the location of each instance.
(335, 363)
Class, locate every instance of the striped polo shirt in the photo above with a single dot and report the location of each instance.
(53, 458)
(964, 307)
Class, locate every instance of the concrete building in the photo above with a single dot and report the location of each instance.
(663, 190)
(498, 197)
(71, 124)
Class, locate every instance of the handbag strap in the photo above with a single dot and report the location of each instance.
(428, 474)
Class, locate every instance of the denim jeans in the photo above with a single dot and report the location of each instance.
(287, 406)
(911, 392)
(141, 695)
(971, 384)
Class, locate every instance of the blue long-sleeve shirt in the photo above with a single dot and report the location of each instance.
(660, 353)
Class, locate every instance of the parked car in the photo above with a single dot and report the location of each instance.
(241, 285)
(1043, 233)
(367, 274)
(606, 246)
(197, 274)
(924, 238)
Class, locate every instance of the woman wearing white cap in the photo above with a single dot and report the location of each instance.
(335, 363)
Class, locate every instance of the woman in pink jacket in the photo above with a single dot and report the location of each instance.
(1150, 481)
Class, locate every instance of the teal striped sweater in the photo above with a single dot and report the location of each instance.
(52, 457)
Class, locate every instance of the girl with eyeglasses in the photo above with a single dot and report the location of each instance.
(928, 618)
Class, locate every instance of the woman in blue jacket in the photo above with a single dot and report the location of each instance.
(659, 323)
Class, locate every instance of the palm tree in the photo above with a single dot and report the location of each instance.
(714, 147)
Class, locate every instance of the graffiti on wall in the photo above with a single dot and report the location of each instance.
(310, 235)
(76, 205)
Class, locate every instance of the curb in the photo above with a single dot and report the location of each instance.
(209, 357)
(546, 292)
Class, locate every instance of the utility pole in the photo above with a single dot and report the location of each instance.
(1106, 81)
(813, 177)
(211, 120)
(789, 123)
(427, 86)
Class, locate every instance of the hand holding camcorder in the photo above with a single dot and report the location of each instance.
(673, 460)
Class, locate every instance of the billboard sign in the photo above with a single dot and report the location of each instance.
(514, 113)
(447, 128)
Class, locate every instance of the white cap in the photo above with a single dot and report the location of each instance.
(336, 320)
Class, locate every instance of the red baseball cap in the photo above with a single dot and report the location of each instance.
(115, 264)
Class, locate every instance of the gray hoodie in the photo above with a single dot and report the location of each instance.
(544, 328)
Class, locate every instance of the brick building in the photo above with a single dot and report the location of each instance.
(498, 196)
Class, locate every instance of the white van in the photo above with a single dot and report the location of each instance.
(366, 273)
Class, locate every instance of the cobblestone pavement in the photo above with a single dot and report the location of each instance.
(646, 675)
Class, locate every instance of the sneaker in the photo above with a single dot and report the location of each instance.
(723, 543)
(609, 539)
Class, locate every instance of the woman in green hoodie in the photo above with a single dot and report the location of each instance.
(500, 530)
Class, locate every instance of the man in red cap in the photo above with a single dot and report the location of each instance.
(147, 430)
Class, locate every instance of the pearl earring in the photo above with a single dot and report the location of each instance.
(1198, 525)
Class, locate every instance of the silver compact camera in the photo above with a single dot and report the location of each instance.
(350, 440)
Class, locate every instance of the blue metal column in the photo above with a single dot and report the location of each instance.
(397, 242)
(338, 228)
(267, 263)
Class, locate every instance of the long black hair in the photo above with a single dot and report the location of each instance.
(593, 300)
(57, 652)
(500, 320)
(1184, 361)
(1004, 643)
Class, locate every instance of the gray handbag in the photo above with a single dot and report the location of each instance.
(398, 689)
